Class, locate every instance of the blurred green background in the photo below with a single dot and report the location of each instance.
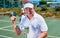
(49, 9)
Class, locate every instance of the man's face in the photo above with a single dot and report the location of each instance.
(28, 10)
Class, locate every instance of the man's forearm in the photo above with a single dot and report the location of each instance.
(13, 24)
(43, 35)
(16, 29)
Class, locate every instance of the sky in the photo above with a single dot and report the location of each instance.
(58, 0)
(39, 0)
(34, 0)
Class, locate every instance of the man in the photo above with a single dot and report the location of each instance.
(33, 21)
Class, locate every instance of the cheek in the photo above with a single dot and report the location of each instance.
(32, 10)
(26, 11)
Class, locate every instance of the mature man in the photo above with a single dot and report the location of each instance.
(33, 21)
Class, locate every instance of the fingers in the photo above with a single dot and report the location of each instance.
(13, 18)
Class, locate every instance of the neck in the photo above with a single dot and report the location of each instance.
(30, 16)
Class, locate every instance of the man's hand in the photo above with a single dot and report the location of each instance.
(12, 18)
(43, 35)
(16, 29)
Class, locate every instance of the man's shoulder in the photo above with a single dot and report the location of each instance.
(23, 16)
(38, 15)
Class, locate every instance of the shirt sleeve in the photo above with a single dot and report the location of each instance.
(20, 25)
(23, 23)
(43, 25)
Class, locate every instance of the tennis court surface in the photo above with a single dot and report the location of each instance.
(6, 30)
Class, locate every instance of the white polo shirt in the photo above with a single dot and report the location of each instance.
(36, 25)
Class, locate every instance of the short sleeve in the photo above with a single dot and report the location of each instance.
(23, 23)
(43, 25)
(20, 25)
